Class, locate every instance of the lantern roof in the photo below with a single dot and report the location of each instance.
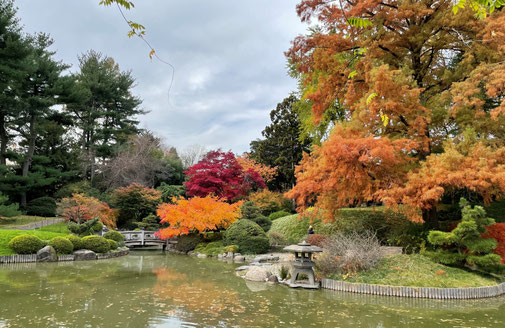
(303, 247)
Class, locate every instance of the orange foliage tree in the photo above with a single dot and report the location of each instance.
(247, 163)
(197, 214)
(420, 98)
(92, 207)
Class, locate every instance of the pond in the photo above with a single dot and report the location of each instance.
(155, 289)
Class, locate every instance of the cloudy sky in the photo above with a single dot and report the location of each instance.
(228, 55)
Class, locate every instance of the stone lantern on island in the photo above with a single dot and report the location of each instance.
(303, 264)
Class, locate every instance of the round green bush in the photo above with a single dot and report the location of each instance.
(26, 244)
(264, 222)
(114, 235)
(76, 242)
(113, 244)
(96, 244)
(42, 206)
(97, 227)
(278, 215)
(248, 236)
(61, 245)
(231, 248)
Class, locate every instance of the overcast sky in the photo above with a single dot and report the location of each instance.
(228, 55)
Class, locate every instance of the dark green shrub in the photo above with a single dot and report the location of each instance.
(276, 238)
(264, 222)
(248, 236)
(212, 249)
(114, 235)
(96, 244)
(113, 245)
(187, 243)
(278, 214)
(42, 206)
(61, 245)
(82, 187)
(76, 242)
(465, 246)
(252, 212)
(26, 244)
(230, 248)
(8, 210)
(149, 223)
(212, 236)
(87, 228)
(170, 191)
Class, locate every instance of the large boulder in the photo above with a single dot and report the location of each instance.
(84, 255)
(257, 274)
(47, 254)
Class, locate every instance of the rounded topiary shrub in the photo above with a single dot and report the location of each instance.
(248, 236)
(264, 222)
(278, 215)
(76, 242)
(42, 206)
(96, 244)
(26, 244)
(97, 227)
(61, 245)
(114, 235)
(113, 244)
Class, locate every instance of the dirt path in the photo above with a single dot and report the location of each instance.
(36, 225)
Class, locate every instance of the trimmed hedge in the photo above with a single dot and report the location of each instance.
(248, 236)
(61, 245)
(42, 206)
(26, 244)
(114, 235)
(96, 244)
(76, 242)
(278, 215)
(113, 245)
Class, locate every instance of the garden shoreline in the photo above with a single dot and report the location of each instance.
(30, 258)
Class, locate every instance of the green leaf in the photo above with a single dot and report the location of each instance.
(370, 98)
(352, 74)
(359, 22)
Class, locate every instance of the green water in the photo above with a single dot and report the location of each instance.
(152, 289)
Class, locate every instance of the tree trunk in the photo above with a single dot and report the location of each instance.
(430, 217)
(4, 138)
(28, 157)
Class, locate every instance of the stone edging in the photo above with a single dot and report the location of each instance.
(417, 292)
(33, 257)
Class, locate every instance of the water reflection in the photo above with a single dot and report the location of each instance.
(152, 289)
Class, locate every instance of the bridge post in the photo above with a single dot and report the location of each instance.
(142, 240)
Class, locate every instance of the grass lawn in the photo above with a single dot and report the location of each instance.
(418, 271)
(7, 235)
(57, 227)
(21, 220)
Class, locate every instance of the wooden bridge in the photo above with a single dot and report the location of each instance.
(142, 238)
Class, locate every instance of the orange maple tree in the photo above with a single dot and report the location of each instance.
(247, 163)
(197, 214)
(420, 97)
(93, 208)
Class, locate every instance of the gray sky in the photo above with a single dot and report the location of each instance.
(229, 59)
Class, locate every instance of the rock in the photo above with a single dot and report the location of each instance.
(238, 254)
(242, 268)
(84, 255)
(47, 254)
(201, 256)
(229, 255)
(220, 256)
(273, 279)
(265, 258)
(239, 258)
(258, 264)
(257, 274)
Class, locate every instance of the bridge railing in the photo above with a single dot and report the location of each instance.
(141, 238)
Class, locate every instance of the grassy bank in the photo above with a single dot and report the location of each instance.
(417, 271)
(17, 221)
(7, 235)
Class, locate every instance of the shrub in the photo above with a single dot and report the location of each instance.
(85, 229)
(264, 222)
(76, 242)
(149, 223)
(61, 245)
(113, 244)
(317, 239)
(270, 202)
(42, 206)
(248, 236)
(284, 272)
(349, 253)
(8, 210)
(497, 231)
(26, 244)
(77, 214)
(96, 244)
(230, 248)
(82, 187)
(276, 238)
(252, 212)
(114, 235)
(465, 246)
(187, 243)
(278, 214)
(135, 202)
(212, 236)
(211, 249)
(170, 191)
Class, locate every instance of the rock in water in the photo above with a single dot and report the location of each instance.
(201, 256)
(273, 279)
(239, 258)
(84, 255)
(257, 274)
(47, 254)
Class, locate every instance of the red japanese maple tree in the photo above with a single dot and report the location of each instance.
(220, 174)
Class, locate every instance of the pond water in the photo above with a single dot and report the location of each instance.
(155, 289)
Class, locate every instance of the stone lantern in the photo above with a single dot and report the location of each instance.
(303, 264)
